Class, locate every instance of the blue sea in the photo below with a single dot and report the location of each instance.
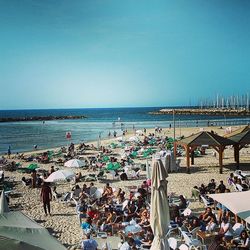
(22, 136)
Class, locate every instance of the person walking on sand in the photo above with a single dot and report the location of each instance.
(46, 197)
(9, 152)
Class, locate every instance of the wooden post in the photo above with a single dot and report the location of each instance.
(237, 155)
(175, 150)
(188, 159)
(192, 157)
(221, 159)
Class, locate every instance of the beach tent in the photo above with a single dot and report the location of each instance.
(236, 202)
(159, 213)
(211, 139)
(19, 232)
(74, 163)
(60, 175)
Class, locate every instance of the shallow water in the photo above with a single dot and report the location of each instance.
(22, 136)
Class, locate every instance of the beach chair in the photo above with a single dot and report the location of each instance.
(78, 212)
(239, 187)
(206, 202)
(183, 247)
(189, 240)
(101, 176)
(237, 229)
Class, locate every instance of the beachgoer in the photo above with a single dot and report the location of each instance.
(33, 175)
(89, 244)
(226, 229)
(52, 169)
(46, 197)
(222, 187)
(243, 242)
(9, 152)
(128, 245)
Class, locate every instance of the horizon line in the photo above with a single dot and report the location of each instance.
(121, 107)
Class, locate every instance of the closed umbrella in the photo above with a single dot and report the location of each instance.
(60, 175)
(159, 214)
(74, 163)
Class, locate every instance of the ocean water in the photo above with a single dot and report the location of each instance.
(22, 136)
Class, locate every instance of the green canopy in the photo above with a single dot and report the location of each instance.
(105, 158)
(113, 166)
(17, 231)
(133, 154)
(32, 166)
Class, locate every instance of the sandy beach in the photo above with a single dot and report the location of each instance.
(64, 224)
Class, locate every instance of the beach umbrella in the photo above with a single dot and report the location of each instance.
(159, 213)
(60, 175)
(236, 202)
(32, 166)
(133, 139)
(139, 132)
(19, 232)
(4, 208)
(113, 166)
(74, 163)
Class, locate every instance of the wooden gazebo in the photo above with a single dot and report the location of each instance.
(240, 139)
(203, 138)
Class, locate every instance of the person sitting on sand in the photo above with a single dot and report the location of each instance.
(87, 225)
(78, 177)
(76, 191)
(25, 181)
(107, 191)
(211, 187)
(52, 170)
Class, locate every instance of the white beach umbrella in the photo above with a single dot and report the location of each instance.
(60, 175)
(236, 202)
(139, 132)
(159, 213)
(74, 163)
(133, 139)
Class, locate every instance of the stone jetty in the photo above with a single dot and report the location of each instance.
(193, 111)
(40, 118)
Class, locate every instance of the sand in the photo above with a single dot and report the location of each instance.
(64, 224)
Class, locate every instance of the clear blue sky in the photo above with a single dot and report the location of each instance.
(111, 53)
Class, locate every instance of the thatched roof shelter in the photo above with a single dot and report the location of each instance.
(204, 138)
(241, 139)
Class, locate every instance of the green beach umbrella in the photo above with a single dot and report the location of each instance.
(32, 166)
(113, 166)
